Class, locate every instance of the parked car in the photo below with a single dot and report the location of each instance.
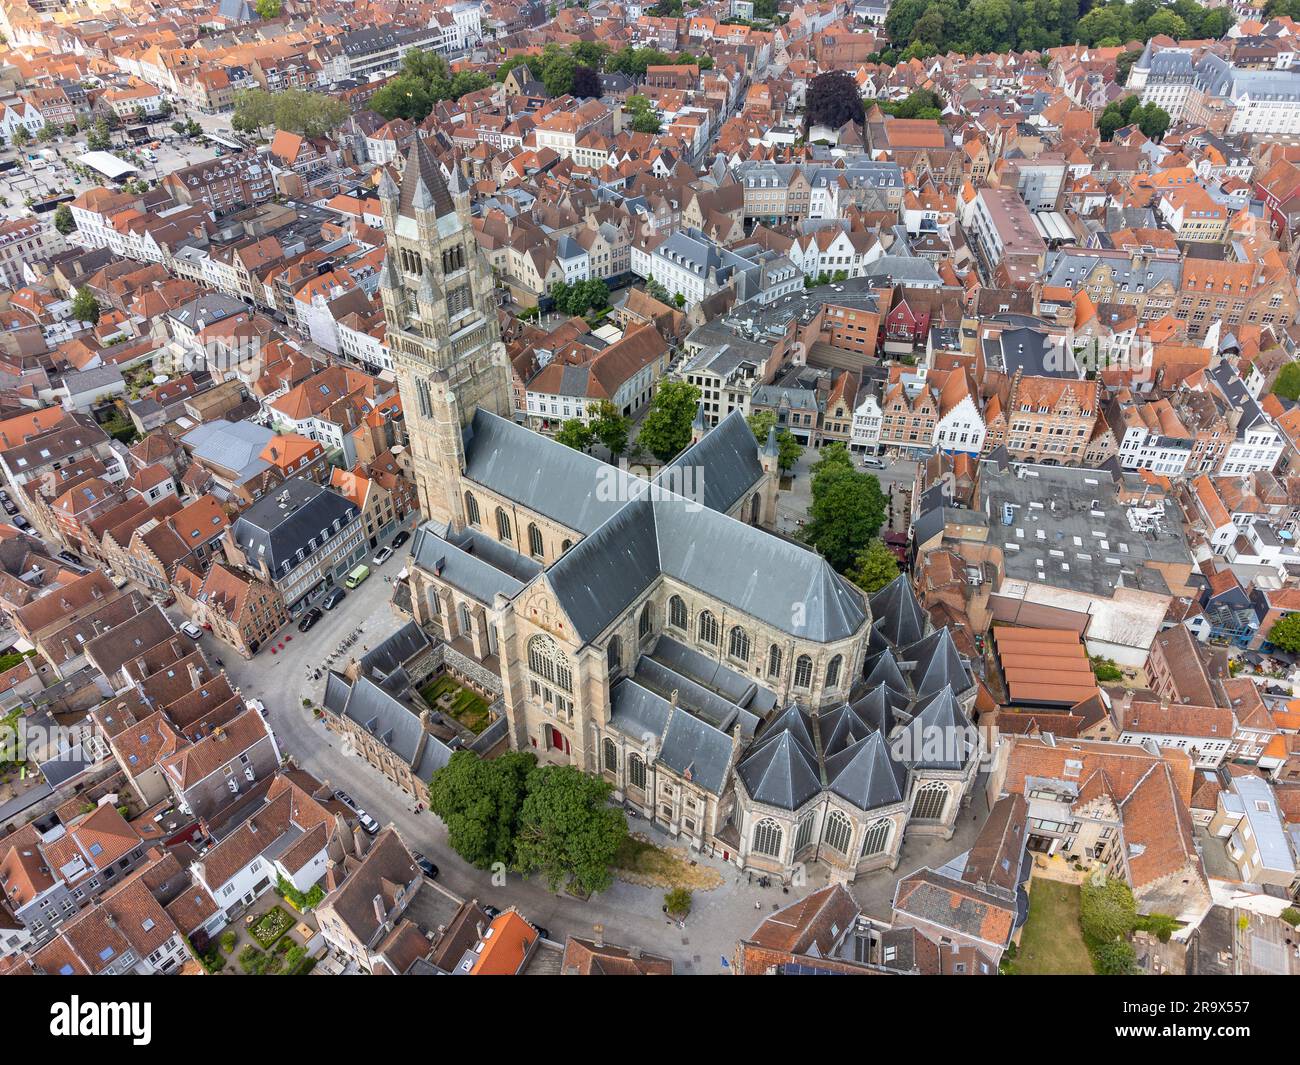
(22, 522)
(10, 508)
(545, 933)
(400, 539)
(309, 619)
(191, 630)
(874, 462)
(333, 599)
(368, 823)
(346, 800)
(68, 556)
(382, 556)
(492, 911)
(426, 867)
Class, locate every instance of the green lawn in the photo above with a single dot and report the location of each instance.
(467, 706)
(1051, 942)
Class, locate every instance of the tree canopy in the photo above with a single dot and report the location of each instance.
(85, 307)
(1285, 633)
(832, 100)
(928, 27)
(847, 508)
(875, 566)
(480, 801)
(666, 428)
(309, 114)
(423, 80)
(567, 830)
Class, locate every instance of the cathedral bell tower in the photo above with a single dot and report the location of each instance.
(440, 314)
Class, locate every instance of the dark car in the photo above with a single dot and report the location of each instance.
(68, 556)
(309, 619)
(345, 799)
(426, 867)
(400, 539)
(10, 508)
(545, 933)
(333, 599)
(492, 911)
(22, 522)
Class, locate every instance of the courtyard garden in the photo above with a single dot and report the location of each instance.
(1051, 943)
(447, 695)
(271, 926)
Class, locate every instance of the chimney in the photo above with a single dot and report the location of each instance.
(196, 676)
(381, 915)
(599, 929)
(359, 842)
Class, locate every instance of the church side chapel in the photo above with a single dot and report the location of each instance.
(725, 679)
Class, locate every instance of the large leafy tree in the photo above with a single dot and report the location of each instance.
(423, 80)
(311, 114)
(847, 507)
(480, 801)
(1285, 633)
(1107, 910)
(63, 220)
(874, 567)
(610, 427)
(788, 449)
(575, 433)
(832, 100)
(85, 308)
(567, 830)
(666, 428)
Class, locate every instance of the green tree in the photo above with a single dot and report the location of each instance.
(1107, 911)
(567, 830)
(875, 566)
(678, 903)
(1117, 958)
(557, 73)
(610, 427)
(1285, 633)
(47, 133)
(21, 136)
(480, 801)
(268, 9)
(656, 291)
(1167, 23)
(762, 422)
(666, 428)
(847, 507)
(85, 308)
(1152, 120)
(63, 220)
(788, 450)
(575, 433)
(1291, 916)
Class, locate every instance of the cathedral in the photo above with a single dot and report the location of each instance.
(730, 685)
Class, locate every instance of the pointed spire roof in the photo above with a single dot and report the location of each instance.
(938, 664)
(864, 774)
(429, 292)
(897, 613)
(700, 424)
(387, 186)
(886, 672)
(770, 448)
(939, 737)
(423, 187)
(781, 773)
